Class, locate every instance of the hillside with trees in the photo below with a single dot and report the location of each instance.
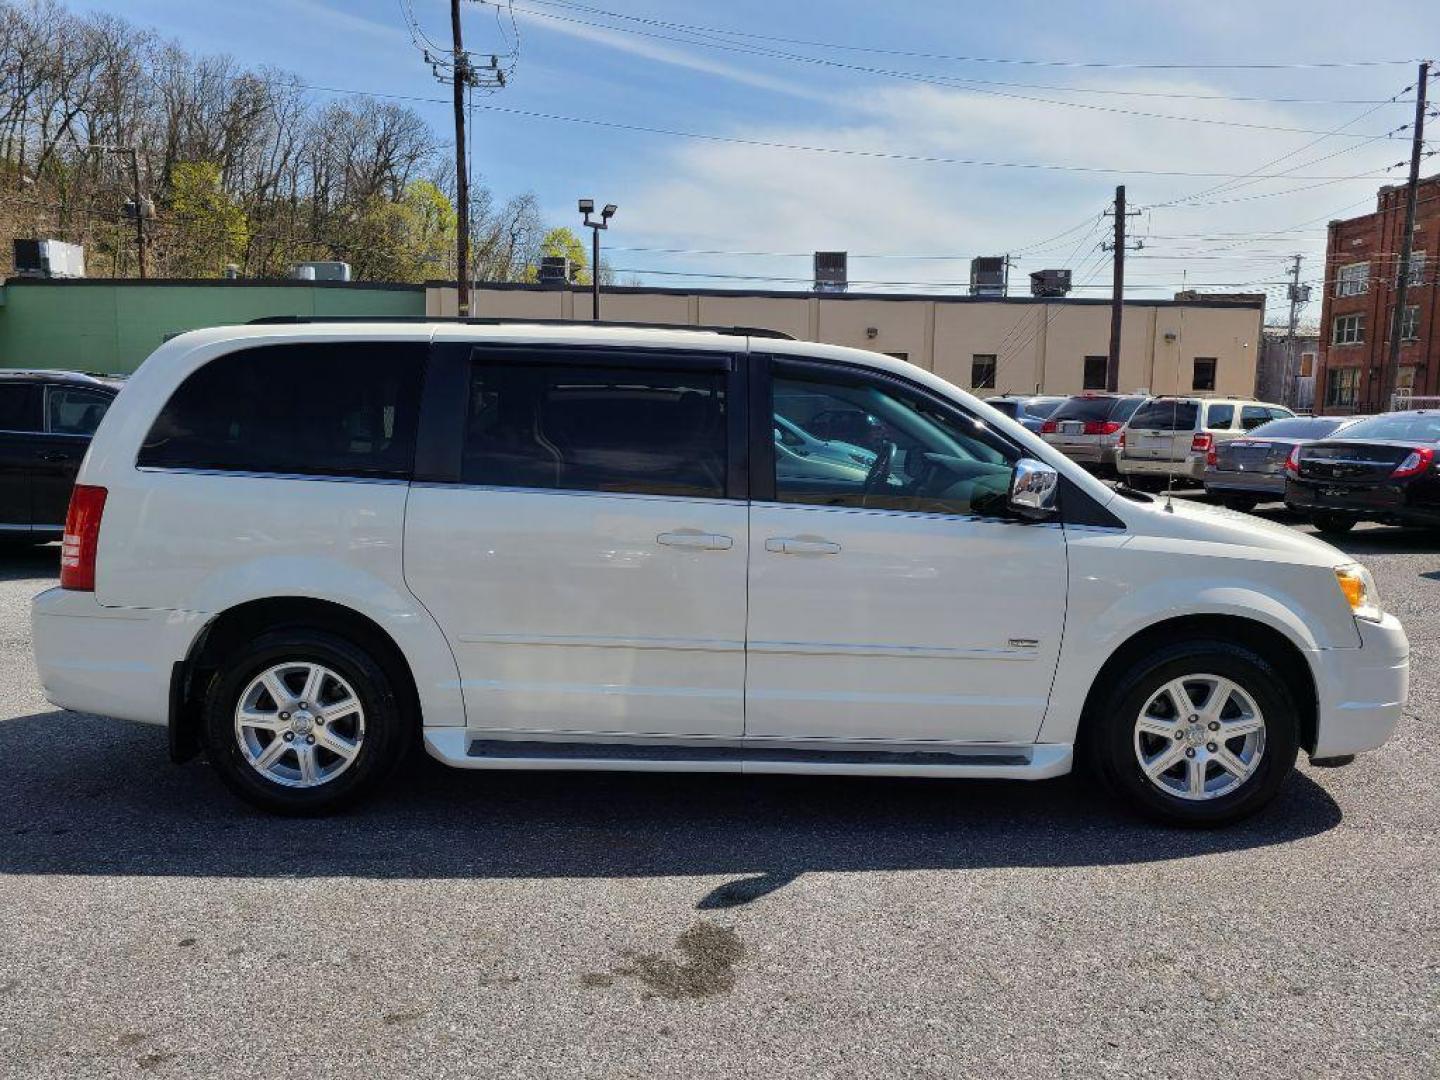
(242, 166)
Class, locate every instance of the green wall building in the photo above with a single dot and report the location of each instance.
(110, 325)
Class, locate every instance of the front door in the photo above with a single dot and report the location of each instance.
(19, 438)
(586, 556)
(891, 597)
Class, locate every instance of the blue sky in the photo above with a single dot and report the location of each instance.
(742, 196)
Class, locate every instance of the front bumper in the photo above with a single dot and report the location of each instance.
(107, 660)
(1361, 692)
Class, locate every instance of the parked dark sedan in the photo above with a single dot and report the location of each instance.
(46, 420)
(1381, 469)
(1245, 472)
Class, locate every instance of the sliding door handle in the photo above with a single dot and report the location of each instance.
(696, 541)
(801, 545)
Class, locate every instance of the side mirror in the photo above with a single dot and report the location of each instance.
(1034, 487)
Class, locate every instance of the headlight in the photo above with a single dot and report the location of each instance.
(1359, 589)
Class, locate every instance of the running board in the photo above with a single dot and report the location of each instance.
(462, 749)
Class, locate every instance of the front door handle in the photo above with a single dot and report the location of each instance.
(695, 540)
(801, 545)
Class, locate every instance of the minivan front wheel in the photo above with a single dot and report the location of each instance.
(1199, 733)
(301, 722)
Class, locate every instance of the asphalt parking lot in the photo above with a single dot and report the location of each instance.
(468, 924)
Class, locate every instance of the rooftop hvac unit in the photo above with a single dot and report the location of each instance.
(832, 272)
(1050, 283)
(49, 259)
(321, 271)
(988, 275)
(554, 271)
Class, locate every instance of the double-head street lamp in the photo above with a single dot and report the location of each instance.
(587, 207)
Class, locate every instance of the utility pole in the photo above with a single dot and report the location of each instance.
(1117, 291)
(1397, 322)
(1298, 295)
(460, 80)
(139, 209)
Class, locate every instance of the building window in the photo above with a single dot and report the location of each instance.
(1349, 330)
(1340, 386)
(1417, 268)
(1307, 365)
(1097, 368)
(1353, 280)
(1410, 324)
(1204, 378)
(982, 371)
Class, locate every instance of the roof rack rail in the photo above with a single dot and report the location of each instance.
(733, 331)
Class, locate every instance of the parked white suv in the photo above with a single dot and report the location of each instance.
(305, 548)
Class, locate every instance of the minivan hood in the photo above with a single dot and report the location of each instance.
(1246, 535)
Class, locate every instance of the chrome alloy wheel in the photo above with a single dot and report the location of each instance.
(299, 724)
(1199, 737)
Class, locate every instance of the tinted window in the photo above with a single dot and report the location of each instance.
(1297, 428)
(916, 455)
(1166, 415)
(1424, 428)
(1010, 408)
(1085, 408)
(1204, 373)
(73, 410)
(1126, 408)
(1252, 416)
(1041, 407)
(588, 428)
(19, 407)
(1097, 369)
(320, 410)
(1220, 416)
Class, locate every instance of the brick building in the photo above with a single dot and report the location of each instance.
(1361, 263)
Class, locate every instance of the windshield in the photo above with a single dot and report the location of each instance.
(1411, 427)
(1316, 427)
(1163, 415)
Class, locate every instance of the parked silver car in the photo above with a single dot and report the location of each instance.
(1171, 437)
(1086, 427)
(1244, 472)
(1030, 411)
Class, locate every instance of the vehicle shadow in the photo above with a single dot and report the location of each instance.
(18, 562)
(83, 795)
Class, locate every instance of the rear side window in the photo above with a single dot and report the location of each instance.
(19, 407)
(1166, 415)
(586, 428)
(74, 410)
(331, 409)
(1220, 416)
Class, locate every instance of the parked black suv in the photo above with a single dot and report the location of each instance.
(46, 420)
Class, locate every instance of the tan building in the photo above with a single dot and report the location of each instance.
(990, 345)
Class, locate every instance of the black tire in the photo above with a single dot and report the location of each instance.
(1109, 734)
(1243, 503)
(386, 731)
(1333, 524)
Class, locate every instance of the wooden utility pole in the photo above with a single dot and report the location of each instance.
(139, 208)
(461, 80)
(1402, 272)
(1117, 295)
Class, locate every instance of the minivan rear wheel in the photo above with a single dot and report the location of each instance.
(1200, 733)
(302, 722)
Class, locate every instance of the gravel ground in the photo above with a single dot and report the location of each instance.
(517, 925)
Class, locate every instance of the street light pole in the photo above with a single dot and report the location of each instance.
(587, 207)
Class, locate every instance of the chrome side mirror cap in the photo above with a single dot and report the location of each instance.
(1034, 489)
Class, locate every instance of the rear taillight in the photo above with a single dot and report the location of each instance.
(1049, 427)
(1202, 443)
(1420, 459)
(1102, 427)
(1210, 458)
(82, 537)
(1120, 442)
(1292, 463)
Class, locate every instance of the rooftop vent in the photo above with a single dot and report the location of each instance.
(1050, 283)
(832, 271)
(988, 275)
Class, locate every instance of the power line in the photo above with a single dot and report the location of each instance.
(954, 83)
(1165, 66)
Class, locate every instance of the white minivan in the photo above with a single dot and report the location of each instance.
(306, 546)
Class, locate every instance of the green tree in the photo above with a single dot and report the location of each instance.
(561, 242)
(208, 228)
